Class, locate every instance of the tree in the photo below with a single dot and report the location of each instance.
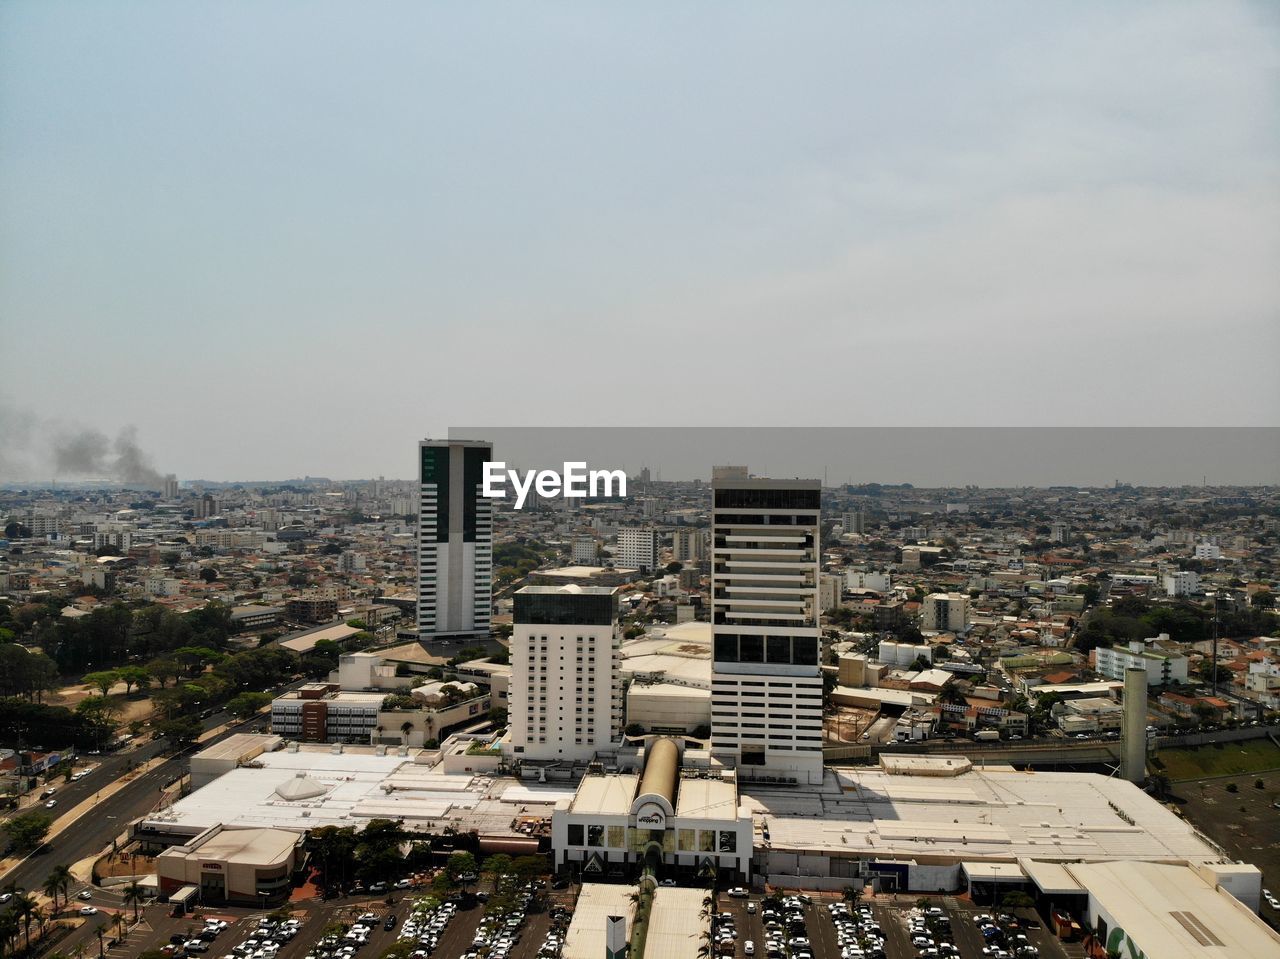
(163, 670)
(462, 868)
(1016, 900)
(26, 909)
(134, 895)
(498, 715)
(103, 680)
(58, 882)
(28, 831)
(852, 895)
(133, 676)
(675, 566)
(247, 705)
(208, 574)
(180, 732)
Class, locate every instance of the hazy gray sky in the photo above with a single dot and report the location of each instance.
(285, 238)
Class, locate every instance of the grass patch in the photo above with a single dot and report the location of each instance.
(1222, 759)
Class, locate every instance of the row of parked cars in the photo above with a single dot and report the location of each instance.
(1004, 937)
(858, 934)
(786, 931)
(265, 941)
(425, 926)
(499, 932)
(930, 930)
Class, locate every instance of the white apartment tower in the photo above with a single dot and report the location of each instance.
(455, 540)
(689, 544)
(565, 695)
(637, 548)
(945, 611)
(766, 682)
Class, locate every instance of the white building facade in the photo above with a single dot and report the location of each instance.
(1162, 668)
(565, 694)
(945, 611)
(766, 683)
(637, 548)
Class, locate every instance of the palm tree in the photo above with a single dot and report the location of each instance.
(133, 895)
(405, 728)
(24, 907)
(59, 881)
(9, 929)
(102, 952)
(121, 925)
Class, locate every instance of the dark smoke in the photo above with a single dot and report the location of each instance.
(91, 453)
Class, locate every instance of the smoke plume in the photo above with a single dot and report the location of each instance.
(33, 447)
(90, 453)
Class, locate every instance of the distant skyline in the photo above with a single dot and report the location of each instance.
(286, 239)
(924, 457)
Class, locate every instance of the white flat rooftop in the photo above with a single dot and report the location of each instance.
(358, 785)
(586, 936)
(1171, 913)
(605, 795)
(981, 814)
(677, 923)
(706, 799)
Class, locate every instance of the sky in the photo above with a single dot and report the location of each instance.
(278, 239)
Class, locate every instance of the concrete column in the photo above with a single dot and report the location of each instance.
(1134, 740)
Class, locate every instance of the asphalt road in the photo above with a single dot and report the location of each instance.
(95, 830)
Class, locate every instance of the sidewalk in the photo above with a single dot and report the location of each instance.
(71, 816)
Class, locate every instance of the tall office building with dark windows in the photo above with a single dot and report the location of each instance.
(455, 540)
(766, 680)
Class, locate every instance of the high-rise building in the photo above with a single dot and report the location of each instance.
(637, 548)
(565, 694)
(766, 681)
(854, 521)
(455, 540)
(689, 544)
(170, 491)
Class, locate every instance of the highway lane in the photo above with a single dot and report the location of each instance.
(107, 820)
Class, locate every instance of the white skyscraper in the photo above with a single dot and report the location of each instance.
(565, 695)
(455, 540)
(688, 544)
(766, 683)
(637, 548)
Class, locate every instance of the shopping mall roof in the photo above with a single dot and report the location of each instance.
(994, 813)
(253, 847)
(598, 901)
(358, 784)
(678, 923)
(1171, 912)
(707, 799)
(605, 795)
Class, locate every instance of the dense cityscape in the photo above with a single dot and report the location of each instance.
(731, 715)
(592, 480)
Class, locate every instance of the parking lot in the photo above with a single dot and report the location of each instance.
(806, 926)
